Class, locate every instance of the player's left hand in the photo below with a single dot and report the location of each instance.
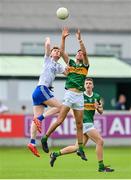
(78, 35)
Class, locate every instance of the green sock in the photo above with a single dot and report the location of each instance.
(101, 164)
(80, 146)
(44, 138)
(57, 153)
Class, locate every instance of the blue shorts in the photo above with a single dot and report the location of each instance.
(41, 94)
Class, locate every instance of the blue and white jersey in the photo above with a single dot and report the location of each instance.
(50, 69)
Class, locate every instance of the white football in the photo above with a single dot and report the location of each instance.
(62, 13)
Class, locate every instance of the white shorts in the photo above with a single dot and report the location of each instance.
(74, 100)
(87, 127)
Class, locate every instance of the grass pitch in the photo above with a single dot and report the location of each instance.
(19, 163)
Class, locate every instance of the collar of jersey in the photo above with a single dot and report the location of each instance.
(87, 94)
(53, 61)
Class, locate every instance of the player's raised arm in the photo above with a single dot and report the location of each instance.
(47, 46)
(82, 47)
(65, 33)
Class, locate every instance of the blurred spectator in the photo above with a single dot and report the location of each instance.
(3, 108)
(121, 104)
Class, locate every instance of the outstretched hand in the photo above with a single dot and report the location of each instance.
(65, 32)
(78, 35)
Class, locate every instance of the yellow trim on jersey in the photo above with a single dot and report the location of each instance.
(89, 106)
(78, 70)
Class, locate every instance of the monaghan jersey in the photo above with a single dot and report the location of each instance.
(89, 108)
(76, 76)
(50, 69)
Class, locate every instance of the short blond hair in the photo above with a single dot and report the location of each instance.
(89, 79)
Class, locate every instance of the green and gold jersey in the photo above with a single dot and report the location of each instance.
(76, 76)
(89, 108)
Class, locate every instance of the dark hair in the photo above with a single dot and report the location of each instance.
(55, 47)
(89, 79)
(79, 50)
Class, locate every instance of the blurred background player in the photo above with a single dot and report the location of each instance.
(73, 99)
(92, 102)
(42, 96)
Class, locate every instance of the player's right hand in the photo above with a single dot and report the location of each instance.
(65, 32)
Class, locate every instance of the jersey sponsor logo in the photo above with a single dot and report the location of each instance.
(90, 99)
(89, 106)
(78, 70)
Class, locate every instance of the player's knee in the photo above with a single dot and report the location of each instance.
(79, 125)
(100, 141)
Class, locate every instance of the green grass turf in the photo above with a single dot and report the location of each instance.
(16, 163)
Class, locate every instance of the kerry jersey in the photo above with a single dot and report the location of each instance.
(76, 76)
(89, 108)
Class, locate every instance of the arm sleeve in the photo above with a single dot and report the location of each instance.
(46, 59)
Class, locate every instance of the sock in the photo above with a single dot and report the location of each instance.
(32, 141)
(57, 153)
(44, 138)
(41, 117)
(101, 164)
(80, 146)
